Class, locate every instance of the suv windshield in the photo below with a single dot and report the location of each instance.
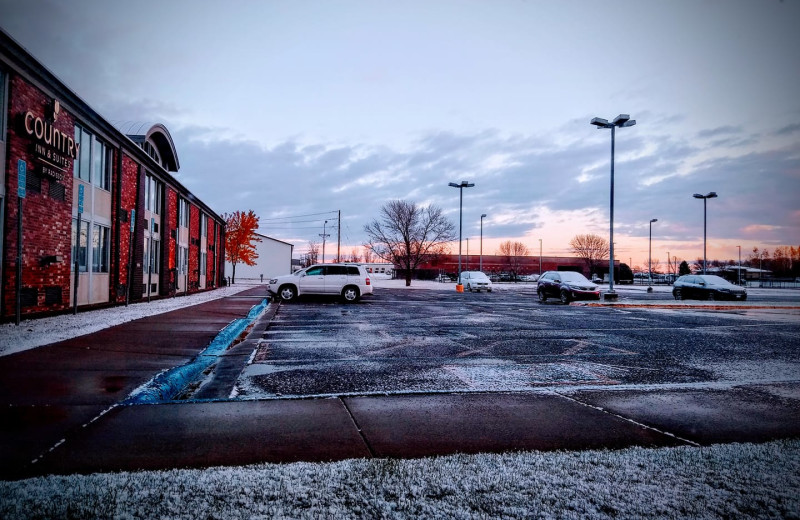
(570, 276)
(714, 280)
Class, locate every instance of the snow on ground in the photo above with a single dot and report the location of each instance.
(42, 331)
(721, 481)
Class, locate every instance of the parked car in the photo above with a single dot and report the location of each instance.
(706, 287)
(566, 285)
(350, 281)
(475, 281)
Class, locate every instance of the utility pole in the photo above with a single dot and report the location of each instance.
(324, 235)
(339, 238)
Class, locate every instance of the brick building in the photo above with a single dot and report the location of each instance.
(499, 264)
(96, 199)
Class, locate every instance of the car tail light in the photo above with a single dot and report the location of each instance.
(367, 280)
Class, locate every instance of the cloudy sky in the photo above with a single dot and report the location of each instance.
(300, 109)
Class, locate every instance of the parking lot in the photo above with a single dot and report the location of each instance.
(428, 341)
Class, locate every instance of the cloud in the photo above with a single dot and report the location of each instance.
(788, 129)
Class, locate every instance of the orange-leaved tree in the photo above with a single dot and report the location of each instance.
(240, 238)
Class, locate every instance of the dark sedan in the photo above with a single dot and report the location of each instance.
(706, 287)
(566, 285)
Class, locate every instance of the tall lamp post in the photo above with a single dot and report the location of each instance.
(481, 260)
(650, 258)
(705, 197)
(464, 184)
(622, 120)
(540, 257)
(739, 270)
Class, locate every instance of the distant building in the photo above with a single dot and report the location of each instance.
(499, 264)
(274, 259)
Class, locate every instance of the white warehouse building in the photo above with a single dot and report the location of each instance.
(274, 259)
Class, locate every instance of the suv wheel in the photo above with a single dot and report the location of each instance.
(350, 294)
(542, 296)
(565, 298)
(287, 293)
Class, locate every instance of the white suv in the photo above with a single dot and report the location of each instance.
(350, 281)
(475, 280)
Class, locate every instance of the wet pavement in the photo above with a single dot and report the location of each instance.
(402, 374)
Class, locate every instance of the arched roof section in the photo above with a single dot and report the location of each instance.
(155, 135)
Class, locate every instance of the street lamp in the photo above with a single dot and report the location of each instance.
(540, 257)
(739, 270)
(650, 258)
(710, 195)
(622, 120)
(481, 260)
(464, 184)
(467, 239)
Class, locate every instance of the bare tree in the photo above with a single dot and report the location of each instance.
(513, 253)
(354, 256)
(407, 234)
(367, 255)
(313, 253)
(655, 266)
(592, 248)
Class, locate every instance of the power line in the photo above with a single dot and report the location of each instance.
(300, 216)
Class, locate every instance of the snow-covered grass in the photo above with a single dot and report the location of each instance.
(42, 331)
(722, 481)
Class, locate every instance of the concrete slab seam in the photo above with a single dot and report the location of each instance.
(628, 419)
(167, 384)
(358, 428)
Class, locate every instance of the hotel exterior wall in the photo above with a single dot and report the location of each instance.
(47, 219)
(47, 222)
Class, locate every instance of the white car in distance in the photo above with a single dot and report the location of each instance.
(475, 281)
(350, 281)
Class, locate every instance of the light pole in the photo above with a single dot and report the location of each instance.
(739, 270)
(650, 258)
(481, 260)
(705, 197)
(669, 264)
(622, 120)
(540, 257)
(464, 184)
(323, 235)
(467, 253)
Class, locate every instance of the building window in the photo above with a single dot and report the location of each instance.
(203, 262)
(203, 225)
(183, 260)
(81, 167)
(152, 255)
(183, 213)
(101, 162)
(154, 191)
(79, 250)
(100, 248)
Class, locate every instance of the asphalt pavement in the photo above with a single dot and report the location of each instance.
(66, 408)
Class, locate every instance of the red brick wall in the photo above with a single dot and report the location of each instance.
(128, 198)
(169, 241)
(210, 282)
(47, 222)
(194, 248)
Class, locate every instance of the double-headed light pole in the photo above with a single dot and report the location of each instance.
(710, 195)
(464, 184)
(622, 120)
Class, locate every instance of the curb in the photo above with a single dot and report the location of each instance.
(166, 385)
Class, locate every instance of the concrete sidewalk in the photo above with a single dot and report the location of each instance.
(61, 410)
